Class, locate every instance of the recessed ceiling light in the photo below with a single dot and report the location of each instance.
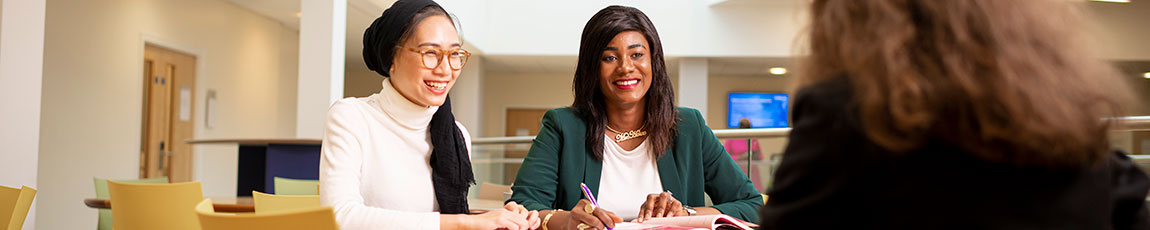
(1146, 75)
(1120, 1)
(777, 70)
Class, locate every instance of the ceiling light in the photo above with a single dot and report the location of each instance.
(1121, 1)
(777, 70)
(1146, 75)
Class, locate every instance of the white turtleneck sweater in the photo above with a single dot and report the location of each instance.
(374, 166)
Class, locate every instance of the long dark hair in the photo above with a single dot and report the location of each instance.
(661, 116)
(1008, 81)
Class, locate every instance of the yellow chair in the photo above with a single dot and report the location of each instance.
(289, 186)
(319, 218)
(105, 220)
(272, 203)
(14, 205)
(155, 206)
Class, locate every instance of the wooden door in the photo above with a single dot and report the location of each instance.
(520, 122)
(169, 86)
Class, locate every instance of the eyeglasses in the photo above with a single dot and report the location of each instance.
(432, 57)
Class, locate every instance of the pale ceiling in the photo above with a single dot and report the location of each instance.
(361, 13)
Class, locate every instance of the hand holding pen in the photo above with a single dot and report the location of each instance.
(587, 214)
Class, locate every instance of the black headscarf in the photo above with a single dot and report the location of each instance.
(450, 165)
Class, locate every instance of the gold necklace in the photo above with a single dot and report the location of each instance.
(622, 136)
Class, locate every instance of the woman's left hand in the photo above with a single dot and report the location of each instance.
(660, 205)
(532, 216)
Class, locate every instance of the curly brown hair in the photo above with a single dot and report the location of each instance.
(1008, 81)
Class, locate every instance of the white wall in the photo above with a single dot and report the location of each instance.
(92, 91)
(691, 28)
(322, 45)
(21, 73)
(692, 90)
(686, 27)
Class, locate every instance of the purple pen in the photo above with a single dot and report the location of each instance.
(587, 192)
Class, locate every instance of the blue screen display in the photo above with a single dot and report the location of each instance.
(764, 110)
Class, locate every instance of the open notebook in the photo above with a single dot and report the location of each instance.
(688, 222)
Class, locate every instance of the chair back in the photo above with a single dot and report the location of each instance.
(317, 218)
(14, 205)
(289, 186)
(155, 206)
(273, 203)
(105, 220)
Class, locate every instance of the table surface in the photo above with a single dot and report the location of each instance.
(483, 205)
(245, 204)
(221, 204)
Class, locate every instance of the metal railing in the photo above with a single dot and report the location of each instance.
(748, 134)
(720, 133)
(1126, 124)
(1141, 123)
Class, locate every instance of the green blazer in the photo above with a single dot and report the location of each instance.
(696, 163)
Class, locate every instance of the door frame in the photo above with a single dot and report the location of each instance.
(198, 93)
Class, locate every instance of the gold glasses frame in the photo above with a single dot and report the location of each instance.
(439, 54)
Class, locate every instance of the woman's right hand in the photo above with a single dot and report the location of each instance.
(597, 219)
(498, 219)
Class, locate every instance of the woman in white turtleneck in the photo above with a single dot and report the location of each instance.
(377, 164)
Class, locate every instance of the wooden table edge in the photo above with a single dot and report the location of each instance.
(98, 203)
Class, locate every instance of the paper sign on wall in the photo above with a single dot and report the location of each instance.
(210, 110)
(185, 103)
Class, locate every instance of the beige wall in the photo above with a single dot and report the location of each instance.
(1, 17)
(520, 90)
(1141, 88)
(1120, 29)
(550, 90)
(92, 91)
(361, 83)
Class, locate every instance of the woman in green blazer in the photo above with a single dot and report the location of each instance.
(623, 137)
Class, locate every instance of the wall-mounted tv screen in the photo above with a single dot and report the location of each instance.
(764, 110)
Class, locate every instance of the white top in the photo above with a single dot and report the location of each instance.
(628, 177)
(374, 166)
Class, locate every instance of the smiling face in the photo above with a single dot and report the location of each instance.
(625, 68)
(419, 84)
